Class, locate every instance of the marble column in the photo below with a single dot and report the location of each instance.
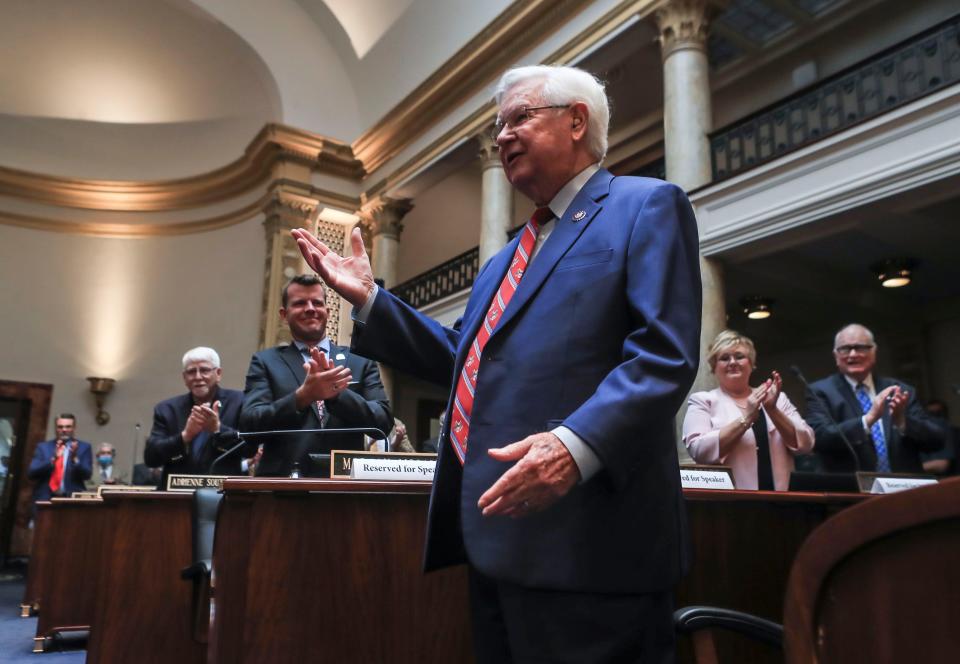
(381, 219)
(687, 120)
(496, 205)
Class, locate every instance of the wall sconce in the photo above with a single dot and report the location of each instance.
(101, 387)
(894, 272)
(756, 307)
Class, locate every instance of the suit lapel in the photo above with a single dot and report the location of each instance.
(847, 393)
(564, 234)
(292, 358)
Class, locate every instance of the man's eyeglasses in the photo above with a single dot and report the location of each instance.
(199, 371)
(518, 117)
(854, 348)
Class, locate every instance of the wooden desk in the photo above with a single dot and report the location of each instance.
(67, 564)
(143, 612)
(30, 604)
(317, 570)
(743, 545)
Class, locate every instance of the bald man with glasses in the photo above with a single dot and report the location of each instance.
(191, 430)
(881, 417)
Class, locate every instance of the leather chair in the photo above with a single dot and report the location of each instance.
(206, 504)
(878, 582)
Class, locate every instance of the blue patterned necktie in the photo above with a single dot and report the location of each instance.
(876, 431)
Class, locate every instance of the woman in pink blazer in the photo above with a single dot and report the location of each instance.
(755, 431)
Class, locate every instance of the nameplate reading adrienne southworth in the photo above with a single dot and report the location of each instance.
(341, 461)
(706, 477)
(194, 482)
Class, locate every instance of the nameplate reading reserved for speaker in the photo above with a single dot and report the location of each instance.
(706, 477)
(402, 466)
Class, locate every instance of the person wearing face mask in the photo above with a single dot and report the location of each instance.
(61, 466)
(191, 430)
(754, 430)
(107, 472)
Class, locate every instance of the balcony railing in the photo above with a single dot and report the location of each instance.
(912, 69)
(456, 275)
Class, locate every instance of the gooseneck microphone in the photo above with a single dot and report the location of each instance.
(826, 409)
(242, 436)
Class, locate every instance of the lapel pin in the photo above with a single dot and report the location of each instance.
(579, 215)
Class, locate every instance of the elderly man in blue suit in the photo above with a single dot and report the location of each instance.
(557, 480)
(62, 465)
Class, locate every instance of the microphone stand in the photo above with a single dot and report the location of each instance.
(242, 436)
(826, 409)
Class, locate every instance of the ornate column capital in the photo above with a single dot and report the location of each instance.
(489, 150)
(683, 24)
(382, 215)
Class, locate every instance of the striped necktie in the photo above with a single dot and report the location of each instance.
(467, 380)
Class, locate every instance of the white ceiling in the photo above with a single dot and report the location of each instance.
(89, 88)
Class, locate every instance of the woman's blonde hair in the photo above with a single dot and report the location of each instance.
(728, 339)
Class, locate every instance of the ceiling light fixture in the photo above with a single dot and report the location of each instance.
(756, 307)
(894, 272)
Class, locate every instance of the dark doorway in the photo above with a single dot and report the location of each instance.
(24, 412)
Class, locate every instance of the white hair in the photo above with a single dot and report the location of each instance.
(566, 85)
(851, 326)
(199, 354)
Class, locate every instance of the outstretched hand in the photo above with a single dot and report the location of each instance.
(350, 276)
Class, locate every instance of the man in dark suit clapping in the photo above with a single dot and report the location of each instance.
(191, 430)
(310, 384)
(880, 416)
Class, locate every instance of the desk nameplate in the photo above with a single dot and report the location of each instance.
(885, 483)
(194, 482)
(342, 464)
(706, 477)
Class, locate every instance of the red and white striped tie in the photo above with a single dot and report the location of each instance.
(467, 380)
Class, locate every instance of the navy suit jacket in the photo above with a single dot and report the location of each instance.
(921, 434)
(270, 404)
(75, 473)
(602, 336)
(165, 445)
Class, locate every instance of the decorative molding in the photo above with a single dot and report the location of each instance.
(382, 215)
(683, 24)
(514, 32)
(489, 151)
(273, 144)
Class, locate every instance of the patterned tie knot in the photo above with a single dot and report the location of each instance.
(540, 216)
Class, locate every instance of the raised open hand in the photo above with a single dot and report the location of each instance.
(350, 276)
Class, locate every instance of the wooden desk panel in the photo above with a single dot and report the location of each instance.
(144, 612)
(323, 570)
(30, 604)
(69, 565)
(743, 545)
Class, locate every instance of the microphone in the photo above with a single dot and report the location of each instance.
(826, 409)
(227, 453)
(240, 436)
(136, 444)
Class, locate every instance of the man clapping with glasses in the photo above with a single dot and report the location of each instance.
(189, 431)
(881, 417)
